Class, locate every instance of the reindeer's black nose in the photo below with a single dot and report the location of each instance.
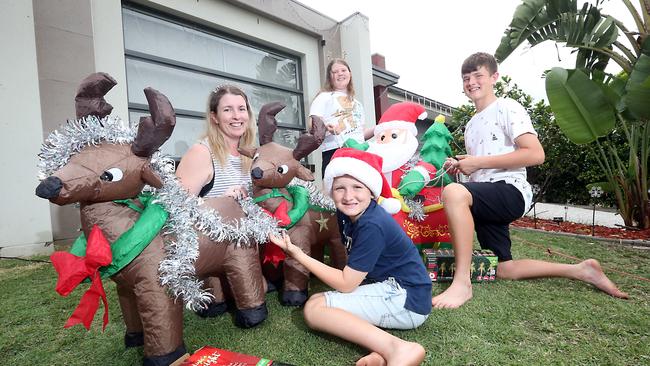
(257, 173)
(49, 188)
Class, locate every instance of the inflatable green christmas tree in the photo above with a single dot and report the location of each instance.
(436, 149)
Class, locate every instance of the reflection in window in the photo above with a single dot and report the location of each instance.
(286, 137)
(173, 41)
(186, 63)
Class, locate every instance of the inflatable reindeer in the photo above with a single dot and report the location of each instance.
(103, 165)
(310, 224)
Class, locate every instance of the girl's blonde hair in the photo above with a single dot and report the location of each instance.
(329, 85)
(215, 136)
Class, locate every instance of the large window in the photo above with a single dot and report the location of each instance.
(185, 62)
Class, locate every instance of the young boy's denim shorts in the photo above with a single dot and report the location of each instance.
(380, 303)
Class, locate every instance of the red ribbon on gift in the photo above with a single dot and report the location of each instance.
(72, 270)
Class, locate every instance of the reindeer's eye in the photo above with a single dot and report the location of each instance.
(257, 155)
(112, 175)
(383, 137)
(283, 169)
(394, 135)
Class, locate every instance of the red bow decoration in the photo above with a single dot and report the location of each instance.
(72, 270)
(282, 214)
(273, 253)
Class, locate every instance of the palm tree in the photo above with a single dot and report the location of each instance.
(592, 107)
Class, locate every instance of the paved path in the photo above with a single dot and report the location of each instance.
(576, 214)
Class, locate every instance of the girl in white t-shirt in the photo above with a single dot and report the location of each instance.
(343, 115)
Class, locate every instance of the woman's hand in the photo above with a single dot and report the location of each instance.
(236, 192)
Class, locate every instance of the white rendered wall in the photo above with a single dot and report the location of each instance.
(25, 225)
(355, 45)
(108, 49)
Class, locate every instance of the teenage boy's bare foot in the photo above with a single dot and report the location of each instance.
(406, 354)
(454, 297)
(591, 272)
(373, 359)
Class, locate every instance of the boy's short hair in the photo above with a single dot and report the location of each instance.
(473, 62)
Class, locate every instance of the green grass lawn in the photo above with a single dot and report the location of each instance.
(550, 321)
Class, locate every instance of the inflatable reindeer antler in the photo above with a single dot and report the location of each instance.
(266, 123)
(154, 130)
(310, 141)
(89, 100)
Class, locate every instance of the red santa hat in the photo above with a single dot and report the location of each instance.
(401, 115)
(362, 166)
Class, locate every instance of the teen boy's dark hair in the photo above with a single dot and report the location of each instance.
(473, 62)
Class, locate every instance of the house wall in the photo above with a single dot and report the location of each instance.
(25, 227)
(60, 42)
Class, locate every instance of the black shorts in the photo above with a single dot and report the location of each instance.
(495, 205)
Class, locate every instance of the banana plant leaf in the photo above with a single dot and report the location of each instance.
(537, 21)
(533, 21)
(638, 89)
(582, 111)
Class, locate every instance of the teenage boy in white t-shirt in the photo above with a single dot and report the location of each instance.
(501, 142)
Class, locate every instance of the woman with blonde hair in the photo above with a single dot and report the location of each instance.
(213, 166)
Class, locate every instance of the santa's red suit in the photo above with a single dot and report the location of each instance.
(434, 226)
(395, 135)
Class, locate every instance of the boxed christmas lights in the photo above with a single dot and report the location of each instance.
(441, 267)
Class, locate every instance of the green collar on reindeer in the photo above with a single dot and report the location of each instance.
(299, 196)
(132, 242)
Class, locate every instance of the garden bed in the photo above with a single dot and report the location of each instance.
(583, 229)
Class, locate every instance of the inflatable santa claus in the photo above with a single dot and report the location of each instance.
(416, 188)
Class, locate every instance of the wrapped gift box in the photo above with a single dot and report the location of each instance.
(211, 356)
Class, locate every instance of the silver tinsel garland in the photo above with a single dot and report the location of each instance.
(416, 209)
(185, 214)
(77, 134)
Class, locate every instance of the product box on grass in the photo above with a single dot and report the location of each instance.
(441, 267)
(432, 245)
(211, 356)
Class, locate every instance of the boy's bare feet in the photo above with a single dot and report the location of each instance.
(591, 272)
(454, 297)
(373, 359)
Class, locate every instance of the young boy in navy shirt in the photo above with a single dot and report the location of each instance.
(385, 283)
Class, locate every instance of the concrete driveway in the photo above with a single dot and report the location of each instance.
(576, 214)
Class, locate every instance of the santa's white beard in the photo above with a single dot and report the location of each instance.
(394, 154)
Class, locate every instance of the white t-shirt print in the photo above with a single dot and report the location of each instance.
(493, 132)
